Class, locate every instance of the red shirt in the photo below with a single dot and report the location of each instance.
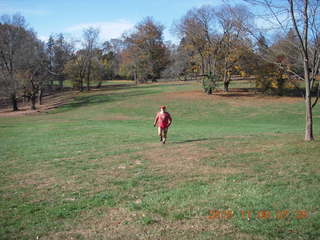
(163, 119)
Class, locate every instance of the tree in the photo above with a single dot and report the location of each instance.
(273, 70)
(59, 52)
(81, 66)
(111, 58)
(90, 42)
(303, 17)
(50, 54)
(217, 36)
(146, 51)
(13, 35)
(196, 29)
(234, 21)
(184, 62)
(34, 71)
(76, 68)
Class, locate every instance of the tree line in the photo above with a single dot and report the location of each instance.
(215, 43)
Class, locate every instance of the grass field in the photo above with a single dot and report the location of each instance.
(95, 169)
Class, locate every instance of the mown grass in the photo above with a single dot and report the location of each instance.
(94, 169)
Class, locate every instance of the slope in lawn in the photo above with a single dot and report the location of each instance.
(94, 168)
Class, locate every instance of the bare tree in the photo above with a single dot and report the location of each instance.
(111, 57)
(13, 33)
(80, 66)
(51, 56)
(90, 44)
(34, 70)
(234, 21)
(216, 35)
(196, 29)
(76, 68)
(59, 52)
(304, 17)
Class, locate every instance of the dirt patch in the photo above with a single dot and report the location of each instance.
(180, 160)
(183, 159)
(40, 182)
(119, 223)
(242, 148)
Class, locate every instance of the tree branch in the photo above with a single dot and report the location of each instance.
(294, 21)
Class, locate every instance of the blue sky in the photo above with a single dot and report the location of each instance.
(112, 17)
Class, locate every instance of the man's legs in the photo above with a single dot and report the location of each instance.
(165, 131)
(160, 133)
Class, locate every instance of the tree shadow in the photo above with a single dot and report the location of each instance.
(81, 101)
(133, 85)
(136, 90)
(252, 92)
(237, 92)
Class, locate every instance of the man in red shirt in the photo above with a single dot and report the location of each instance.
(163, 120)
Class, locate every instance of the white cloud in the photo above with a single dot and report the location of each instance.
(108, 30)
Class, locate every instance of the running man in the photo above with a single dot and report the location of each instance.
(163, 120)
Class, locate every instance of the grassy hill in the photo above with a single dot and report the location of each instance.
(235, 166)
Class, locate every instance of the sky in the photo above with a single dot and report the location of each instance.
(112, 17)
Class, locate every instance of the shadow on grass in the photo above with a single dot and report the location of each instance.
(165, 85)
(237, 92)
(251, 92)
(140, 90)
(82, 101)
(132, 85)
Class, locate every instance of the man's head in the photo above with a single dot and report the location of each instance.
(162, 108)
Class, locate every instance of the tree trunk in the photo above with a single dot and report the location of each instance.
(309, 124)
(202, 65)
(99, 84)
(33, 101)
(226, 79)
(226, 82)
(88, 81)
(226, 86)
(203, 84)
(40, 93)
(88, 85)
(14, 102)
(209, 64)
(60, 83)
(135, 76)
(81, 84)
(309, 119)
(88, 75)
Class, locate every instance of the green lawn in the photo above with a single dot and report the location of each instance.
(95, 169)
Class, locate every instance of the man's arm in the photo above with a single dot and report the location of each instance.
(170, 120)
(156, 120)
